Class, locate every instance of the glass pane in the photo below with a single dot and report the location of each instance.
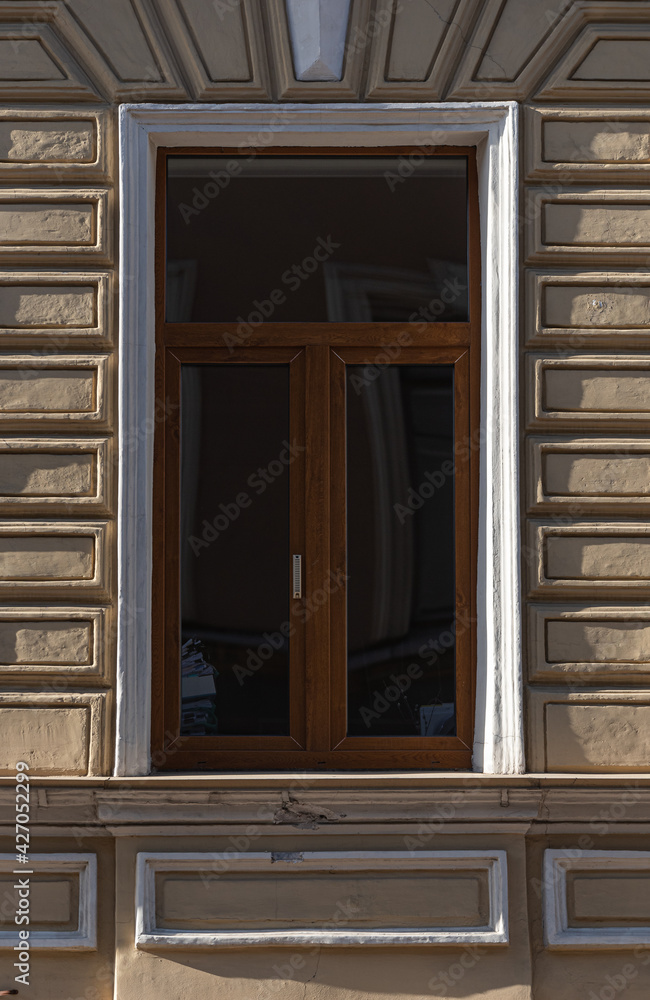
(255, 239)
(400, 538)
(235, 452)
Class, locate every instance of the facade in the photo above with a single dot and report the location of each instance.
(146, 876)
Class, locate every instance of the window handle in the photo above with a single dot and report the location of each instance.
(296, 577)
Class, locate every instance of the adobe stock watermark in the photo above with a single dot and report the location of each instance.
(22, 885)
(292, 279)
(399, 684)
(614, 985)
(219, 180)
(273, 641)
(444, 981)
(417, 496)
(383, 360)
(259, 481)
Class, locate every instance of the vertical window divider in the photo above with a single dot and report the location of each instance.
(317, 547)
(338, 599)
(297, 543)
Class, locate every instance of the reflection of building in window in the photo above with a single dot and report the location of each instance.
(357, 293)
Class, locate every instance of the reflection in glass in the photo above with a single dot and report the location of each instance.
(400, 541)
(235, 455)
(371, 238)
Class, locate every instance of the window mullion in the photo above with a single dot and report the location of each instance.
(316, 581)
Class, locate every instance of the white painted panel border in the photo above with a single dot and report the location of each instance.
(492, 127)
(494, 863)
(557, 933)
(84, 938)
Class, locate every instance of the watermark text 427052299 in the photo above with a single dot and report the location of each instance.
(22, 886)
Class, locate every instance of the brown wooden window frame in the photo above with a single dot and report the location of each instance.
(317, 354)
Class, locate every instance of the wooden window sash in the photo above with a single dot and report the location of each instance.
(316, 353)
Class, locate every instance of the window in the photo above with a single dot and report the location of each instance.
(316, 476)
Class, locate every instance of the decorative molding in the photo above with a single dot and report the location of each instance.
(558, 39)
(84, 938)
(317, 30)
(360, 863)
(397, 68)
(563, 84)
(222, 47)
(532, 58)
(493, 129)
(330, 810)
(558, 933)
(352, 49)
(43, 33)
(124, 48)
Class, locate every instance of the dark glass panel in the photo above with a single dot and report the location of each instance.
(341, 239)
(235, 455)
(400, 540)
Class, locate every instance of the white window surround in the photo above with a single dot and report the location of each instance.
(492, 128)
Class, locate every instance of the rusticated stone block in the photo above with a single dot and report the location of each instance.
(57, 389)
(588, 474)
(588, 737)
(55, 308)
(588, 645)
(37, 222)
(70, 642)
(50, 225)
(57, 734)
(51, 474)
(36, 474)
(55, 144)
(53, 558)
(47, 305)
(581, 309)
(589, 143)
(588, 225)
(588, 558)
(25, 141)
(63, 643)
(588, 389)
(50, 740)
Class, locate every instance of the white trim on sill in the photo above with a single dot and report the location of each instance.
(357, 863)
(493, 128)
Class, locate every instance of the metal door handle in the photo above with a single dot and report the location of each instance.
(296, 577)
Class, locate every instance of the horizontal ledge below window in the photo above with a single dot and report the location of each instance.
(397, 780)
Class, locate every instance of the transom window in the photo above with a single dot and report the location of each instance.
(316, 473)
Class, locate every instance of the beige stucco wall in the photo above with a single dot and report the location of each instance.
(581, 71)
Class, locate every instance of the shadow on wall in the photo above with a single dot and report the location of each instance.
(364, 973)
